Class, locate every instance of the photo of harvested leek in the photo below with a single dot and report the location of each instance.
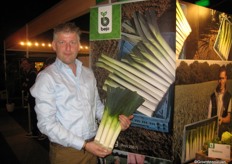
(183, 29)
(196, 135)
(149, 66)
(147, 125)
(223, 41)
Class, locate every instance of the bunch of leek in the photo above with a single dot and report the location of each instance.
(118, 101)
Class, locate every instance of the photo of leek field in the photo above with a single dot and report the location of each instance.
(195, 82)
(141, 21)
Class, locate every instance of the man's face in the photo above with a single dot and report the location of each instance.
(25, 65)
(222, 80)
(66, 46)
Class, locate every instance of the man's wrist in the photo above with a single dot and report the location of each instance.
(84, 145)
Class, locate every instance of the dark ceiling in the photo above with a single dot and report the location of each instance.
(15, 14)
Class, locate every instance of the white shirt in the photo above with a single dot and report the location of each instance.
(67, 106)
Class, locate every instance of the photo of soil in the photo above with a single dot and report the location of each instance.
(147, 142)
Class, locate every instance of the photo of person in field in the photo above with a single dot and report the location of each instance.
(220, 103)
(196, 81)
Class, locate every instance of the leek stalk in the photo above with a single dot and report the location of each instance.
(118, 101)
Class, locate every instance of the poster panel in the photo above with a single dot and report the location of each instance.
(205, 53)
(151, 131)
(196, 81)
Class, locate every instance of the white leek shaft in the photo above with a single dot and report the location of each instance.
(115, 136)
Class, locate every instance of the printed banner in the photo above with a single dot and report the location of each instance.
(152, 122)
(105, 22)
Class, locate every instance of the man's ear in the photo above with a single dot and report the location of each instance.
(53, 45)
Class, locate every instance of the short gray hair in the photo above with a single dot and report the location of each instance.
(67, 27)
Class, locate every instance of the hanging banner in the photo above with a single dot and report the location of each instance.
(105, 22)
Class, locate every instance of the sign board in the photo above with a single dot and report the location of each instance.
(221, 151)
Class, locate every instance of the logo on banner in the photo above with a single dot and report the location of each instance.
(105, 22)
(105, 19)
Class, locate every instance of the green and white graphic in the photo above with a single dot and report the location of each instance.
(105, 19)
(105, 22)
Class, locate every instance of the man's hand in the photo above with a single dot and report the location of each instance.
(220, 120)
(125, 121)
(97, 149)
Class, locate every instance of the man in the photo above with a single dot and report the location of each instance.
(68, 104)
(28, 79)
(220, 103)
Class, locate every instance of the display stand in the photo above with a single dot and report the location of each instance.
(26, 105)
(29, 119)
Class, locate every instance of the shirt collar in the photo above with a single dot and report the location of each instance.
(64, 66)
